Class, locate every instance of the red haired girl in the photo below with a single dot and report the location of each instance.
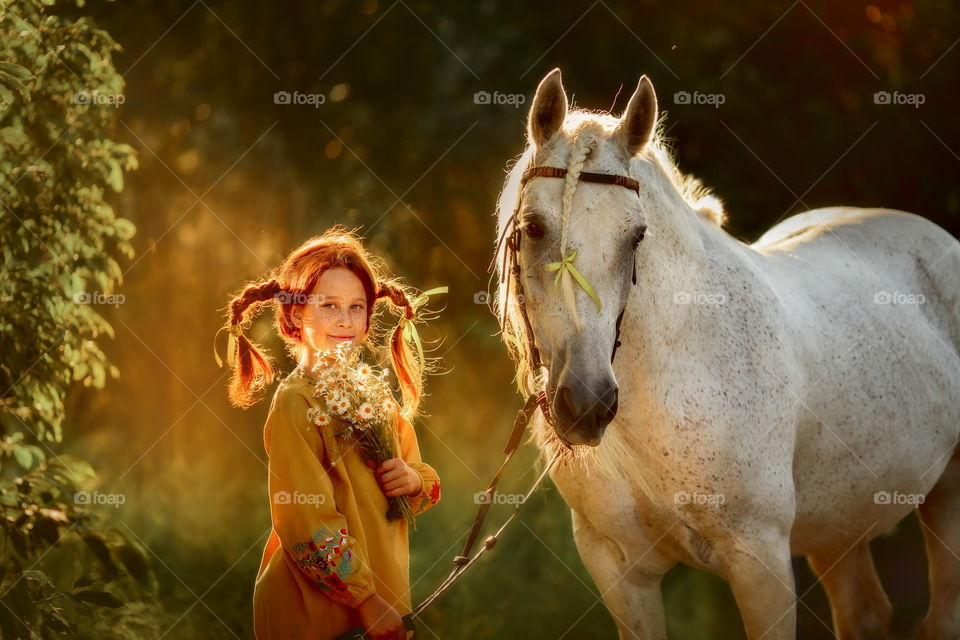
(333, 561)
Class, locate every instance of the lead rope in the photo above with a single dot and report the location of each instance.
(463, 561)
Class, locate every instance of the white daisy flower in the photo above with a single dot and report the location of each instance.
(366, 411)
(318, 416)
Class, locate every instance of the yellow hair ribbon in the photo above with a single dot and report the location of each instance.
(566, 265)
(409, 331)
(236, 331)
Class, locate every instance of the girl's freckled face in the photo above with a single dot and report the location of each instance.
(335, 313)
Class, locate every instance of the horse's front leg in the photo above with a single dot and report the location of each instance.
(628, 580)
(757, 566)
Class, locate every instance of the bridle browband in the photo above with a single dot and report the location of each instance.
(585, 176)
(512, 250)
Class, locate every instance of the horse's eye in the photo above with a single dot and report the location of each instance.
(533, 230)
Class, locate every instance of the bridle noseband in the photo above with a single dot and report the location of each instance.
(512, 248)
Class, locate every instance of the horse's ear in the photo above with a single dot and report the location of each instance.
(548, 110)
(639, 118)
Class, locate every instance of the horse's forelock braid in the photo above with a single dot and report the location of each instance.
(582, 145)
(578, 156)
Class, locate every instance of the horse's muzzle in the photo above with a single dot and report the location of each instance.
(581, 414)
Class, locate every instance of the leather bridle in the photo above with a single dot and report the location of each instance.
(511, 251)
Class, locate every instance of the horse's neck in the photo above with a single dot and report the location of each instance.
(686, 272)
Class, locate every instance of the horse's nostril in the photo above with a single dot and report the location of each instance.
(606, 408)
(566, 402)
(611, 408)
(601, 409)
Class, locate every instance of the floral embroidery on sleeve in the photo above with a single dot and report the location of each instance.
(328, 557)
(429, 494)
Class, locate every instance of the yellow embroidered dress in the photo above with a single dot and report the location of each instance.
(331, 545)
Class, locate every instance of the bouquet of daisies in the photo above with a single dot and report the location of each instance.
(357, 398)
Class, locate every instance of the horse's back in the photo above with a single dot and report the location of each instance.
(865, 256)
(814, 220)
(868, 228)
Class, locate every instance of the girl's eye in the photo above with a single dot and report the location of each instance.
(533, 230)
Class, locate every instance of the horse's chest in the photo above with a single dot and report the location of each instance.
(639, 515)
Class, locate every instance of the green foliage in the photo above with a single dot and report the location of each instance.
(58, 97)
(63, 573)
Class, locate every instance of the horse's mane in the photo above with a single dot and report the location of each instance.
(513, 329)
(700, 198)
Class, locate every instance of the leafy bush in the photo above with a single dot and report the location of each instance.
(63, 573)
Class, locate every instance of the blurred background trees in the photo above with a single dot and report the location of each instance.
(405, 147)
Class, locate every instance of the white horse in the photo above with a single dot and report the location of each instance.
(796, 396)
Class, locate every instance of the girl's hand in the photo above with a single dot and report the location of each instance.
(381, 621)
(397, 478)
